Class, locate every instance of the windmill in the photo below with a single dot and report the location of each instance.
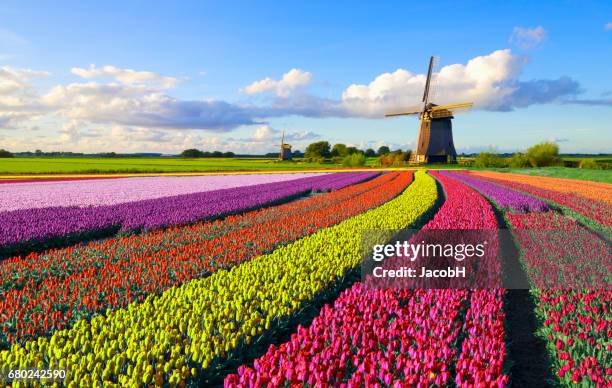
(285, 149)
(435, 141)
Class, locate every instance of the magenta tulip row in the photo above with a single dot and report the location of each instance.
(505, 198)
(368, 338)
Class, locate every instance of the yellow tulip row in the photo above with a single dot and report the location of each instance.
(157, 341)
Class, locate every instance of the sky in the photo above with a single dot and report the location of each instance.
(162, 77)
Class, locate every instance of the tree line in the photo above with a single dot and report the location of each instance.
(350, 156)
(195, 153)
(323, 149)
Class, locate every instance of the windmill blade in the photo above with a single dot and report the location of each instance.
(415, 112)
(465, 105)
(432, 63)
(442, 111)
(434, 82)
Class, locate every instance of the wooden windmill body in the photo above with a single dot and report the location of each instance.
(435, 141)
(285, 149)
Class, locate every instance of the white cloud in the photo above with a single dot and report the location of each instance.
(138, 105)
(292, 80)
(140, 99)
(608, 26)
(126, 76)
(490, 81)
(526, 37)
(135, 108)
(301, 136)
(266, 133)
(139, 134)
(70, 132)
(17, 81)
(301, 104)
(18, 99)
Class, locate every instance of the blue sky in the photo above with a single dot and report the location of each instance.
(139, 77)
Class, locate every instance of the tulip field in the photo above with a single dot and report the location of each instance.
(255, 280)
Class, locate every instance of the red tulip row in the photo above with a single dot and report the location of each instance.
(561, 253)
(384, 337)
(578, 327)
(599, 211)
(571, 267)
(57, 288)
(577, 323)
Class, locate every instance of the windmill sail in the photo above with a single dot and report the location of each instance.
(414, 112)
(432, 62)
(452, 106)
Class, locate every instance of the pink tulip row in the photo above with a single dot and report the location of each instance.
(483, 352)
(464, 207)
(385, 337)
(466, 217)
(368, 338)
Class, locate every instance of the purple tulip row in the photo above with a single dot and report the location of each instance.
(99, 192)
(504, 197)
(38, 226)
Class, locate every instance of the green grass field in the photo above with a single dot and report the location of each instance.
(564, 172)
(51, 165)
(148, 165)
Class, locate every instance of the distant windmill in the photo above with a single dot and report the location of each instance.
(285, 149)
(435, 141)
